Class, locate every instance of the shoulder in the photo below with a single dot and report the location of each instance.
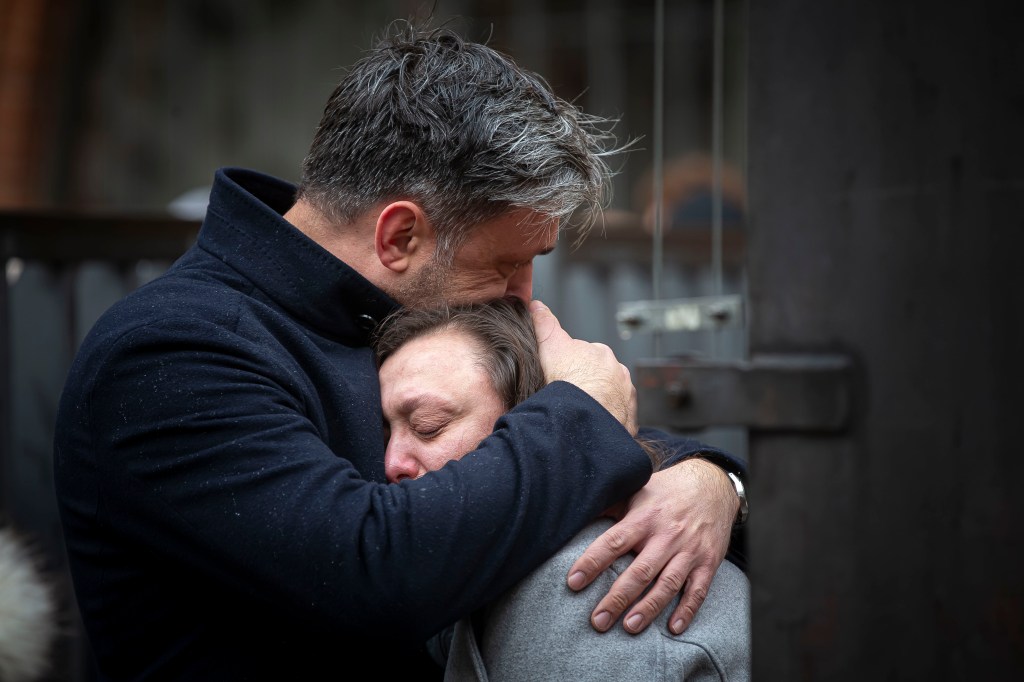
(721, 628)
(166, 340)
(189, 306)
(540, 624)
(184, 292)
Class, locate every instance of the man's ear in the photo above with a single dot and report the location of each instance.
(402, 232)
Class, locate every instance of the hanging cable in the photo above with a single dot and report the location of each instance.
(717, 114)
(658, 171)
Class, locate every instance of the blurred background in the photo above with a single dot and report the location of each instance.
(142, 101)
(828, 286)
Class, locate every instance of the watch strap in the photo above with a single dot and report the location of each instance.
(741, 492)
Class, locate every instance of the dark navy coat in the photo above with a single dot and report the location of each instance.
(219, 471)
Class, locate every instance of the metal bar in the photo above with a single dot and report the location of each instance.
(807, 393)
(717, 113)
(717, 145)
(69, 238)
(657, 257)
(629, 243)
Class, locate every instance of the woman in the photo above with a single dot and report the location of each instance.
(447, 375)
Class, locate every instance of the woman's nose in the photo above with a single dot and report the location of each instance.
(399, 464)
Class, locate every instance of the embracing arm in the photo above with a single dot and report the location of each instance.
(199, 449)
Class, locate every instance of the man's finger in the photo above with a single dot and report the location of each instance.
(697, 586)
(627, 589)
(668, 586)
(612, 544)
(591, 367)
(544, 321)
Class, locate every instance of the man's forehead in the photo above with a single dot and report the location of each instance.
(538, 231)
(544, 237)
(516, 235)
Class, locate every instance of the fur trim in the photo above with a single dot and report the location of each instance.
(28, 612)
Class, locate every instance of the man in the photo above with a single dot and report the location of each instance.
(219, 447)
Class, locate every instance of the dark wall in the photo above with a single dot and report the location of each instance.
(887, 204)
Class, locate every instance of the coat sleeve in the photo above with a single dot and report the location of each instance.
(185, 441)
(681, 447)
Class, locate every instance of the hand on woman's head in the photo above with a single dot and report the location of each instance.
(592, 367)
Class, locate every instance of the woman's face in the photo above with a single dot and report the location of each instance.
(438, 403)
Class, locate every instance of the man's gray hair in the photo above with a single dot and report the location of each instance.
(461, 130)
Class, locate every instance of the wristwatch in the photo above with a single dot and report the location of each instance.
(741, 492)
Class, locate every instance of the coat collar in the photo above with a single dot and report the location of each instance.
(244, 228)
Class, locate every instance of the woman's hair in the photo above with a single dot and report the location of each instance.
(507, 343)
(460, 129)
(503, 329)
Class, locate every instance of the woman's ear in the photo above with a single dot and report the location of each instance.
(402, 233)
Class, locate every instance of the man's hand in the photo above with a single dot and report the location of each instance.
(679, 526)
(590, 366)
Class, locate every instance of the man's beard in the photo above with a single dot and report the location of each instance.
(426, 290)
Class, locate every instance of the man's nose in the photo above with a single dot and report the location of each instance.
(520, 284)
(399, 465)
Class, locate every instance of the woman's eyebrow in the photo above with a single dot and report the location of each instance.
(425, 400)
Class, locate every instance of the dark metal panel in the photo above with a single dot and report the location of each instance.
(886, 221)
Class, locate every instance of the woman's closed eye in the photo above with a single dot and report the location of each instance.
(429, 427)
